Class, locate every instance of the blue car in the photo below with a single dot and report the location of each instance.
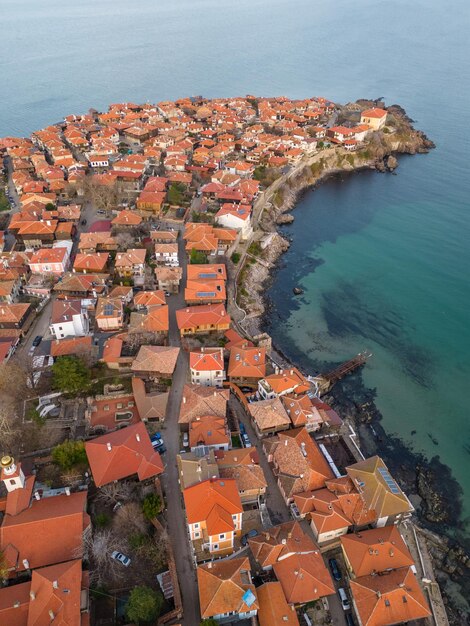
(335, 569)
(242, 429)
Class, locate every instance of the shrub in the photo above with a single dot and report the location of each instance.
(102, 520)
(70, 375)
(144, 605)
(235, 257)
(152, 506)
(69, 454)
(197, 257)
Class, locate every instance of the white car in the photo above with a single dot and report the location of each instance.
(122, 558)
(185, 440)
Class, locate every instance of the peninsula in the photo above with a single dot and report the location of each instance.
(156, 454)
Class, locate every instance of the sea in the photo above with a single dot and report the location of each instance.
(384, 260)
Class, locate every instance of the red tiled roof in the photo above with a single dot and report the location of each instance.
(121, 454)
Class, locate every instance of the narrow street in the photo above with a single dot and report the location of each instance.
(175, 514)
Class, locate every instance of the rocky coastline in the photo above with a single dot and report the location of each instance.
(429, 483)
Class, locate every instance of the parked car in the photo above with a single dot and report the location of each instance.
(295, 511)
(83, 222)
(185, 440)
(122, 558)
(242, 428)
(333, 563)
(167, 294)
(246, 441)
(37, 340)
(248, 535)
(156, 437)
(344, 599)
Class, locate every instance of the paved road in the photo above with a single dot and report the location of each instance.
(175, 514)
(40, 326)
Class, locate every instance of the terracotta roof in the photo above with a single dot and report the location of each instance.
(247, 477)
(299, 458)
(108, 308)
(206, 359)
(170, 274)
(135, 256)
(247, 362)
(151, 406)
(201, 291)
(57, 524)
(269, 414)
(214, 271)
(199, 400)
(234, 339)
(155, 320)
(273, 608)
(391, 599)
(205, 315)
(56, 588)
(223, 585)
(84, 283)
(375, 112)
(288, 379)
(380, 491)
(120, 454)
(12, 313)
(14, 604)
(213, 501)
(149, 298)
(237, 457)
(208, 430)
(376, 550)
(64, 310)
(127, 218)
(157, 359)
(75, 345)
(280, 542)
(304, 577)
(49, 255)
(301, 410)
(91, 262)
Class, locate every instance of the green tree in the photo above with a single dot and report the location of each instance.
(197, 257)
(69, 454)
(70, 375)
(176, 193)
(152, 506)
(4, 204)
(144, 605)
(235, 257)
(50, 206)
(208, 622)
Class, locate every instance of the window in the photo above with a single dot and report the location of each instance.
(12, 481)
(222, 536)
(215, 546)
(106, 407)
(196, 525)
(197, 535)
(119, 405)
(60, 328)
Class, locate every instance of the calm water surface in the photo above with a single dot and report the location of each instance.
(394, 250)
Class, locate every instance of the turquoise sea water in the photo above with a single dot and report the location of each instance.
(394, 249)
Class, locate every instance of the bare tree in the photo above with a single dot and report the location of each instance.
(129, 520)
(103, 197)
(117, 492)
(97, 550)
(125, 240)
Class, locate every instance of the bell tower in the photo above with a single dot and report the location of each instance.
(11, 474)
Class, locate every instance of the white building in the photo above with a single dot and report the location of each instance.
(207, 367)
(167, 254)
(69, 319)
(237, 217)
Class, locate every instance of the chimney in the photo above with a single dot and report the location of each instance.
(137, 436)
(55, 584)
(289, 535)
(16, 605)
(108, 445)
(51, 615)
(37, 495)
(32, 595)
(184, 399)
(296, 572)
(26, 563)
(67, 491)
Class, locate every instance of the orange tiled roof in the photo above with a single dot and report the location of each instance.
(269, 414)
(206, 359)
(199, 400)
(75, 345)
(149, 298)
(376, 550)
(222, 586)
(391, 599)
(273, 607)
(304, 577)
(247, 362)
(208, 430)
(214, 271)
(214, 498)
(205, 315)
(57, 524)
(158, 359)
(156, 320)
(120, 454)
(375, 112)
(90, 262)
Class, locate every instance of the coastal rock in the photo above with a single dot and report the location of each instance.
(433, 506)
(392, 163)
(285, 219)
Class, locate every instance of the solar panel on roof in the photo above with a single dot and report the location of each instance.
(248, 597)
(205, 294)
(391, 484)
(207, 275)
(108, 309)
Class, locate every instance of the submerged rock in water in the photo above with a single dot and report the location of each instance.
(297, 291)
(434, 506)
(392, 163)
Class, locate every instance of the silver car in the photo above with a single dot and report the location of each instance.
(122, 558)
